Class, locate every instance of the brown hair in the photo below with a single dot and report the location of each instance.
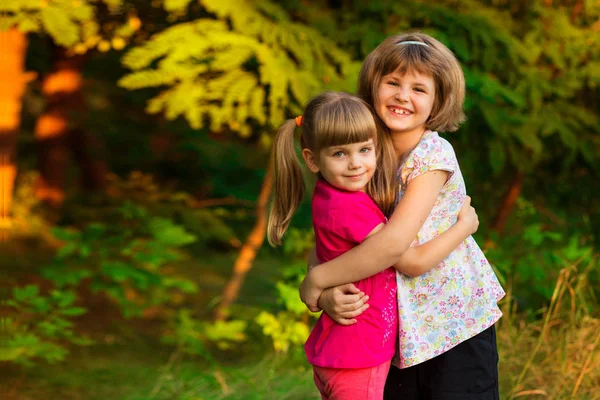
(330, 119)
(434, 59)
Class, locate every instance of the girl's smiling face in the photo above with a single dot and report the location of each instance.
(404, 101)
(347, 167)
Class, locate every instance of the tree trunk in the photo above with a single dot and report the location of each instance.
(62, 90)
(576, 12)
(13, 81)
(58, 130)
(93, 169)
(508, 203)
(243, 264)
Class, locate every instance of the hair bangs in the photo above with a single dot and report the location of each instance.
(344, 121)
(408, 58)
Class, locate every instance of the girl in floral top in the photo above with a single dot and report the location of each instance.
(447, 344)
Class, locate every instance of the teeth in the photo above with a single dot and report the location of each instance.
(400, 112)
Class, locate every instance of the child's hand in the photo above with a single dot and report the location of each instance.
(344, 303)
(310, 293)
(468, 216)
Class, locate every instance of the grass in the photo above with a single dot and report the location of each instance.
(137, 372)
(96, 373)
(556, 356)
(273, 377)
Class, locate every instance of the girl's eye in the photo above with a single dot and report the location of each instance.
(365, 149)
(392, 83)
(419, 90)
(338, 154)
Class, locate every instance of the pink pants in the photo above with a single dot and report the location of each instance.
(351, 384)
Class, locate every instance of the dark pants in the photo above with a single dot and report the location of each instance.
(468, 371)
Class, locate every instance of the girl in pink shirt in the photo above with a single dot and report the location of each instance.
(342, 144)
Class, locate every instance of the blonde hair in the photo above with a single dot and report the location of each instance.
(330, 119)
(433, 59)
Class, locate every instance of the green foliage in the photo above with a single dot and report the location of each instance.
(529, 68)
(61, 19)
(250, 67)
(266, 377)
(208, 225)
(290, 327)
(284, 329)
(530, 261)
(25, 211)
(193, 336)
(71, 24)
(127, 260)
(176, 6)
(225, 332)
(40, 326)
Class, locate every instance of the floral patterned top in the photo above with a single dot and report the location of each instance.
(458, 298)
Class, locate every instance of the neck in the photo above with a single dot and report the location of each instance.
(405, 142)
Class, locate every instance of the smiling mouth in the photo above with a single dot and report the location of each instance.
(355, 176)
(399, 111)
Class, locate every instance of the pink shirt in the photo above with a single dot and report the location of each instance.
(342, 220)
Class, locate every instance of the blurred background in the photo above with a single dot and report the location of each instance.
(134, 147)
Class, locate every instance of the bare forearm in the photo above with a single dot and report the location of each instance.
(384, 248)
(313, 260)
(418, 260)
(375, 254)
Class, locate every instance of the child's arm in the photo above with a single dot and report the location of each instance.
(343, 305)
(382, 249)
(342, 295)
(418, 260)
(313, 260)
(336, 299)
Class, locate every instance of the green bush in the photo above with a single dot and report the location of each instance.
(40, 326)
(128, 260)
(530, 257)
(291, 325)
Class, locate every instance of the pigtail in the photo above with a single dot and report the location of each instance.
(288, 186)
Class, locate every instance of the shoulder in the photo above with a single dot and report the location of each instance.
(354, 202)
(362, 201)
(348, 217)
(357, 209)
(431, 153)
(432, 145)
(356, 217)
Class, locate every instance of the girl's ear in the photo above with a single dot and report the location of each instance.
(310, 160)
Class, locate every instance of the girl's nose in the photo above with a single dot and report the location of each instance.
(401, 94)
(354, 163)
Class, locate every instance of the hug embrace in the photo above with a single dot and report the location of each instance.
(409, 299)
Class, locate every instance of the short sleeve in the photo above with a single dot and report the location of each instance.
(432, 153)
(355, 221)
